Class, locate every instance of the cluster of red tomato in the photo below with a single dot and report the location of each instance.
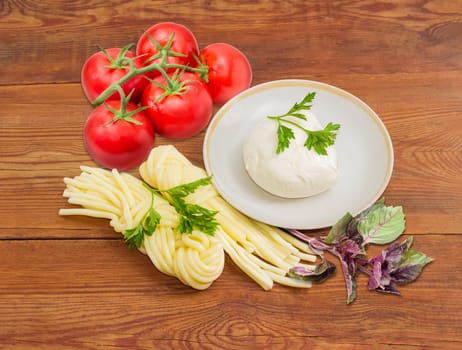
(166, 87)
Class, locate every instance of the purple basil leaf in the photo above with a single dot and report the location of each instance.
(352, 229)
(406, 273)
(394, 252)
(350, 281)
(318, 244)
(314, 242)
(375, 277)
(349, 269)
(388, 289)
(339, 229)
(382, 225)
(349, 272)
(351, 248)
(414, 257)
(380, 279)
(411, 264)
(323, 270)
(398, 263)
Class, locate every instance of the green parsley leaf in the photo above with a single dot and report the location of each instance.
(134, 237)
(304, 104)
(192, 216)
(285, 134)
(151, 221)
(317, 140)
(195, 216)
(186, 189)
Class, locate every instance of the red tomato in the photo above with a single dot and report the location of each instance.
(105, 67)
(182, 114)
(229, 71)
(118, 143)
(183, 43)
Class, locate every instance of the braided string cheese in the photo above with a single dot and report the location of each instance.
(265, 253)
(196, 259)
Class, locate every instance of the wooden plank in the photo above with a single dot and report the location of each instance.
(89, 294)
(48, 43)
(39, 149)
(72, 283)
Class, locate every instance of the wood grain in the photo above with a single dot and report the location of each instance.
(61, 303)
(331, 37)
(71, 282)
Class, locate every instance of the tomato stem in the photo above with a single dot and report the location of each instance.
(162, 67)
(120, 61)
(133, 71)
(122, 114)
(174, 85)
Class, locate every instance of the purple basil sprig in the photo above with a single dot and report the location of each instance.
(399, 264)
(348, 240)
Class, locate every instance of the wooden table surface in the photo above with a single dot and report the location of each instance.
(72, 283)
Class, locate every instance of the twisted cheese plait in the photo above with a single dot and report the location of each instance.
(196, 259)
(263, 252)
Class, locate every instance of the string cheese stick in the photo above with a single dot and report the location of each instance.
(242, 260)
(87, 212)
(80, 198)
(291, 282)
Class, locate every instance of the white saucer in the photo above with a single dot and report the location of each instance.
(364, 152)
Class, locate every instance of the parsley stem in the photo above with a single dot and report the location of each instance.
(192, 216)
(280, 119)
(318, 140)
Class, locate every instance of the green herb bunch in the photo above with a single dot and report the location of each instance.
(348, 239)
(318, 140)
(192, 216)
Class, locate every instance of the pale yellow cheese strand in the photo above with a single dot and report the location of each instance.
(196, 260)
(166, 168)
(272, 247)
(291, 282)
(243, 260)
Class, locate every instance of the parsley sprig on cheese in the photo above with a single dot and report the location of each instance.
(318, 140)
